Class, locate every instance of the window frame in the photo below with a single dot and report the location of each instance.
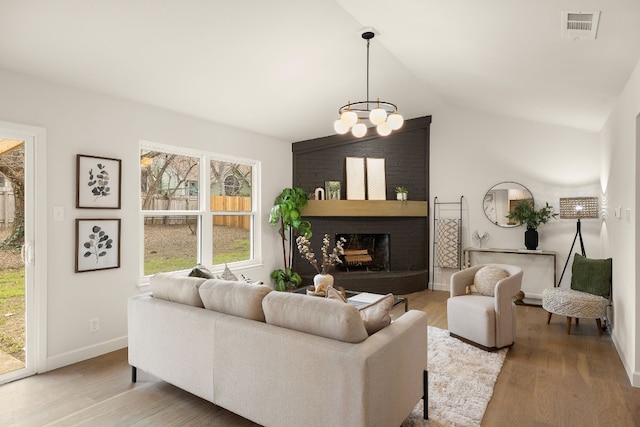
(204, 213)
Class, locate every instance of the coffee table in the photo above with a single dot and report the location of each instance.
(396, 299)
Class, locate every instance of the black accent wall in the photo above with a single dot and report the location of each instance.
(406, 154)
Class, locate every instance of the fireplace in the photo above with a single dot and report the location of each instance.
(365, 252)
(406, 154)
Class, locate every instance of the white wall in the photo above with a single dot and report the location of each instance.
(621, 240)
(79, 122)
(471, 151)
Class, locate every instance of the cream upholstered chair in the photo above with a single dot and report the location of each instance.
(588, 296)
(487, 315)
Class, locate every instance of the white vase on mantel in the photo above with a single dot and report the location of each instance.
(322, 282)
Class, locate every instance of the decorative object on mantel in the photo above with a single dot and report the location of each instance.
(332, 189)
(376, 182)
(524, 213)
(355, 178)
(478, 239)
(353, 115)
(319, 193)
(402, 193)
(577, 208)
(285, 213)
(323, 279)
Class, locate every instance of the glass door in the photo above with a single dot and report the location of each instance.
(17, 255)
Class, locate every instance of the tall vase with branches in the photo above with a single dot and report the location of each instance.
(286, 215)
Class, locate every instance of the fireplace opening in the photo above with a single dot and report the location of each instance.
(365, 252)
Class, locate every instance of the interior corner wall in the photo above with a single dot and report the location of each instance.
(81, 122)
(621, 237)
(472, 151)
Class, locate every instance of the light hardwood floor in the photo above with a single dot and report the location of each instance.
(548, 379)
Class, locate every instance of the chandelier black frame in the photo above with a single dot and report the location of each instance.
(384, 114)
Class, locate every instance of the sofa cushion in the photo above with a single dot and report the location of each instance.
(486, 278)
(378, 314)
(172, 287)
(318, 316)
(232, 297)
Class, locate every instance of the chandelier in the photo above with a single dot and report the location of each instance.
(354, 115)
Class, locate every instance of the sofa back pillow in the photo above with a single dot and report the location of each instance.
(236, 298)
(318, 316)
(172, 287)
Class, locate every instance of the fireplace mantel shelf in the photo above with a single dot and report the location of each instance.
(368, 208)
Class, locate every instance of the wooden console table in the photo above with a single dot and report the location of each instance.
(538, 267)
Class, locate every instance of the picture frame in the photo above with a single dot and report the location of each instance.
(97, 244)
(98, 182)
(376, 179)
(355, 178)
(332, 190)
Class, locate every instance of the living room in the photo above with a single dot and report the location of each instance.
(471, 149)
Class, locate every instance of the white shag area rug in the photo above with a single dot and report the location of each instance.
(461, 380)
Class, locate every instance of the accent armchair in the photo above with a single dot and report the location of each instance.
(480, 309)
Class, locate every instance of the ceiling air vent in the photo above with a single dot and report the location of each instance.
(580, 25)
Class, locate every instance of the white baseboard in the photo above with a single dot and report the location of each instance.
(439, 286)
(634, 376)
(85, 353)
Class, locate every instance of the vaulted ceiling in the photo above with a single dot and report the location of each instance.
(283, 67)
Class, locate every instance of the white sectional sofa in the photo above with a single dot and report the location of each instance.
(276, 358)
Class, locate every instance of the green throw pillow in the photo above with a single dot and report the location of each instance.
(591, 275)
(201, 271)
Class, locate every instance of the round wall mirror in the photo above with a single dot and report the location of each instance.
(501, 199)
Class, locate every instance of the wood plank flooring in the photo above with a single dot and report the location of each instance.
(548, 379)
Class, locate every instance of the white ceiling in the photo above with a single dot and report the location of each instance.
(283, 67)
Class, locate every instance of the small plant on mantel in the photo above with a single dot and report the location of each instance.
(286, 213)
(402, 193)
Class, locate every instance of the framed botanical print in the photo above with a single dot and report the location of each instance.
(98, 182)
(97, 244)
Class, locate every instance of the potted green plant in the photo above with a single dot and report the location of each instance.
(286, 214)
(402, 193)
(524, 213)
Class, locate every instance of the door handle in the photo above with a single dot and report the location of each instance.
(26, 253)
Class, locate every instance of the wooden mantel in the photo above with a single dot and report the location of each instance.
(369, 208)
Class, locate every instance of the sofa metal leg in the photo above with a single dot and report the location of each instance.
(425, 396)
(549, 317)
(134, 374)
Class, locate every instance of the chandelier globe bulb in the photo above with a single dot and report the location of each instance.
(383, 129)
(349, 118)
(377, 116)
(359, 130)
(340, 127)
(395, 121)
